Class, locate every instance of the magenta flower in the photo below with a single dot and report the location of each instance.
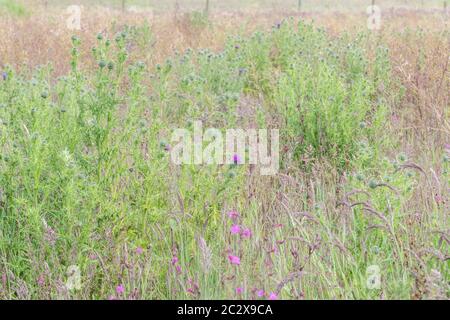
(236, 159)
(447, 146)
(235, 229)
(178, 268)
(234, 260)
(120, 289)
(260, 293)
(247, 233)
(190, 290)
(139, 250)
(239, 290)
(233, 215)
(174, 260)
(273, 296)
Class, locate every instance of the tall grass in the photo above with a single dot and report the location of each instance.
(86, 178)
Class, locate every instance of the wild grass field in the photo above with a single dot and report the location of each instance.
(93, 207)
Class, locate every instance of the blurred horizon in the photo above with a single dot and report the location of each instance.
(237, 5)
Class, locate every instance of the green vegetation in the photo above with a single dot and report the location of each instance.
(11, 7)
(86, 178)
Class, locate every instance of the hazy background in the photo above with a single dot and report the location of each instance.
(219, 5)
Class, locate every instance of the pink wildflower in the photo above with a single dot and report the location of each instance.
(247, 233)
(260, 293)
(174, 260)
(235, 229)
(273, 296)
(120, 289)
(239, 290)
(139, 250)
(233, 215)
(236, 159)
(234, 260)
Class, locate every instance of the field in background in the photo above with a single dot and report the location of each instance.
(247, 5)
(88, 192)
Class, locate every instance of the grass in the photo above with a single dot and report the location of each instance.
(86, 181)
(306, 5)
(12, 8)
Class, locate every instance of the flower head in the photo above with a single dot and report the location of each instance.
(233, 215)
(260, 293)
(273, 296)
(247, 233)
(174, 260)
(234, 260)
(120, 289)
(235, 229)
(139, 250)
(236, 159)
(239, 290)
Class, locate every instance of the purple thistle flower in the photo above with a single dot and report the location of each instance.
(174, 260)
(260, 293)
(234, 260)
(233, 215)
(236, 159)
(120, 289)
(239, 290)
(273, 296)
(247, 233)
(235, 229)
(139, 250)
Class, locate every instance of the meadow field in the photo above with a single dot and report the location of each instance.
(93, 205)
